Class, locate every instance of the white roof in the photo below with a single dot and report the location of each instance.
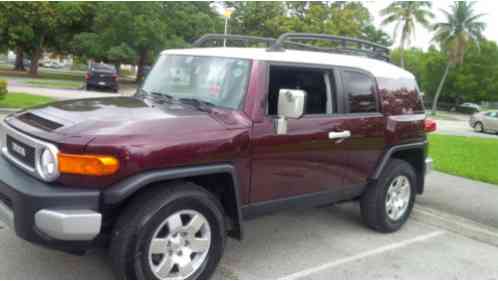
(378, 68)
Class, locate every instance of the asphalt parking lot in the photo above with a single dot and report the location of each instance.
(324, 243)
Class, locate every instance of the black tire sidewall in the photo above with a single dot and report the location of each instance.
(149, 224)
(399, 170)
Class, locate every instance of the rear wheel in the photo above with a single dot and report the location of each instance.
(171, 232)
(387, 204)
(479, 127)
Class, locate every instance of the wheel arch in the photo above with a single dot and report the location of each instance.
(221, 180)
(414, 154)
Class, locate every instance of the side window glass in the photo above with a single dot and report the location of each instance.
(360, 92)
(310, 80)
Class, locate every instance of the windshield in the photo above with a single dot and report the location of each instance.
(221, 82)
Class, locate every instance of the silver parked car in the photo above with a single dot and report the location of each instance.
(484, 121)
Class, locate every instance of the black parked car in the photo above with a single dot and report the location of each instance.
(102, 76)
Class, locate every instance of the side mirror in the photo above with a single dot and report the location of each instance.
(290, 105)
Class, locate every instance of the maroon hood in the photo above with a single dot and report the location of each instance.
(121, 117)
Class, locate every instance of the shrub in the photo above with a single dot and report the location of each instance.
(3, 89)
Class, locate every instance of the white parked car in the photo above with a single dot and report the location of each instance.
(485, 121)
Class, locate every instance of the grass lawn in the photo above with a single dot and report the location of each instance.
(470, 157)
(63, 84)
(22, 100)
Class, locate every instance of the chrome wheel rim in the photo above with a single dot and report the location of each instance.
(180, 245)
(398, 197)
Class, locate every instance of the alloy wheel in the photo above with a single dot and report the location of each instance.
(398, 197)
(180, 245)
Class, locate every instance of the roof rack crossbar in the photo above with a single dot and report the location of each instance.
(231, 37)
(368, 48)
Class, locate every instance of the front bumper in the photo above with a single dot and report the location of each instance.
(50, 215)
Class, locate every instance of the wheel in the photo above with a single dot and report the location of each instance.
(479, 127)
(387, 204)
(89, 88)
(169, 232)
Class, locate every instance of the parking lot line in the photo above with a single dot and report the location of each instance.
(332, 264)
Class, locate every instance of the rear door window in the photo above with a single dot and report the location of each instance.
(360, 92)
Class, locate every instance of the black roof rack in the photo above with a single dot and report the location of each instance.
(346, 45)
(214, 37)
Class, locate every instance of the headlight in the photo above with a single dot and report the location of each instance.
(48, 165)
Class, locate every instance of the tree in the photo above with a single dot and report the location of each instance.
(134, 32)
(32, 27)
(405, 14)
(461, 28)
(371, 33)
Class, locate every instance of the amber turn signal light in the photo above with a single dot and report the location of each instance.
(88, 165)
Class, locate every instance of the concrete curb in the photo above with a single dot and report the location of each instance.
(8, 110)
(468, 228)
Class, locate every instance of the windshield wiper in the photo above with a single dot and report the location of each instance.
(197, 103)
(156, 96)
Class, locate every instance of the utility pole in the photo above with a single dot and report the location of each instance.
(227, 13)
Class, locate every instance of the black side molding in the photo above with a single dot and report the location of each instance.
(123, 190)
(393, 149)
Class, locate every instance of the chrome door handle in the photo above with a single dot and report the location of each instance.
(339, 135)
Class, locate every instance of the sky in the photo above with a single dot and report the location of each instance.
(423, 37)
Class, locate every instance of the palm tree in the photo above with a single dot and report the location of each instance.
(406, 14)
(461, 27)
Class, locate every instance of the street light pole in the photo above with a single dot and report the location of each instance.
(227, 13)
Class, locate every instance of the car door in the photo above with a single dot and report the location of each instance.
(362, 117)
(492, 119)
(305, 160)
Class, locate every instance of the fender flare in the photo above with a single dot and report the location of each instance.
(393, 149)
(126, 188)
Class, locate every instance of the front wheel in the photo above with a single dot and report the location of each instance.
(170, 232)
(387, 204)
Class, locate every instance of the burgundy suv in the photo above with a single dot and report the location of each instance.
(216, 136)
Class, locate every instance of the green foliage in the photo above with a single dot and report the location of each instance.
(270, 19)
(3, 89)
(405, 14)
(32, 27)
(134, 32)
(469, 157)
(474, 81)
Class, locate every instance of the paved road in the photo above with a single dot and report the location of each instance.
(65, 94)
(463, 197)
(460, 128)
(326, 243)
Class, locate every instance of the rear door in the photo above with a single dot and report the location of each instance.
(492, 121)
(362, 118)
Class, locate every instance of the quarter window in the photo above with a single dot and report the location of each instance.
(360, 92)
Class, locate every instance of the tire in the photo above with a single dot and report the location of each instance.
(479, 127)
(149, 216)
(374, 206)
(89, 88)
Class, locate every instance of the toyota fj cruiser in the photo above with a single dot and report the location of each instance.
(215, 136)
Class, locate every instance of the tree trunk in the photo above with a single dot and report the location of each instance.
(35, 58)
(142, 60)
(19, 64)
(402, 57)
(402, 50)
(440, 89)
(37, 53)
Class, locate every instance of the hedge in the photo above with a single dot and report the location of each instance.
(3, 88)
